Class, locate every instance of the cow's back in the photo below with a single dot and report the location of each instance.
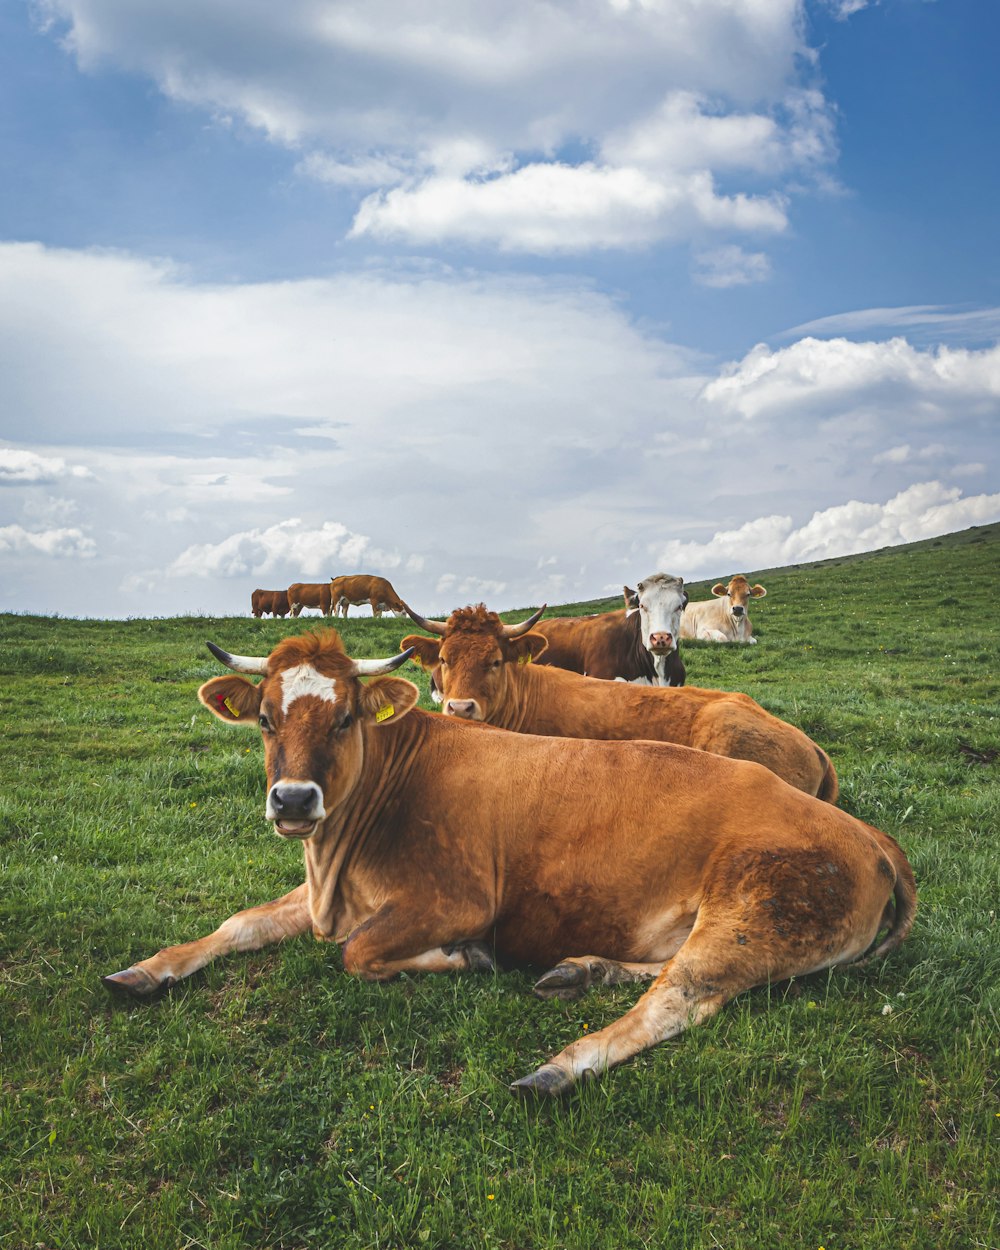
(705, 613)
(597, 646)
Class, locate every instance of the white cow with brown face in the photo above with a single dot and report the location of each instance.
(724, 618)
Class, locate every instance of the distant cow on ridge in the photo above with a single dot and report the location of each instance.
(364, 588)
(274, 602)
(309, 595)
(723, 619)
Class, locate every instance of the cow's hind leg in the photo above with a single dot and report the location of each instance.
(687, 991)
(573, 977)
(248, 930)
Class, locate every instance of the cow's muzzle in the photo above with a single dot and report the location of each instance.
(296, 807)
(467, 709)
(738, 610)
(661, 643)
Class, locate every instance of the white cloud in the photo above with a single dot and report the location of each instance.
(429, 424)
(467, 589)
(421, 102)
(815, 376)
(553, 207)
(56, 543)
(289, 546)
(731, 266)
(924, 510)
(27, 468)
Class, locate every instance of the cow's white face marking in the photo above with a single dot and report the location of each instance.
(661, 602)
(303, 680)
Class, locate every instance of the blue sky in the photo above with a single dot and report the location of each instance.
(512, 301)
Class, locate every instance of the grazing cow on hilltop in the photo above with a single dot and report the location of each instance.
(723, 619)
(365, 589)
(483, 671)
(274, 602)
(309, 595)
(636, 643)
(429, 841)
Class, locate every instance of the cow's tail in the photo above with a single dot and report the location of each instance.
(901, 909)
(829, 787)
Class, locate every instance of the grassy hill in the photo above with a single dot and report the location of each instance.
(271, 1101)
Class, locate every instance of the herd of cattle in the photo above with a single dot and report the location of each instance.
(612, 830)
(332, 598)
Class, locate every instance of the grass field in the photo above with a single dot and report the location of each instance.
(270, 1101)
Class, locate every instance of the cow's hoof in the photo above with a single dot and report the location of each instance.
(550, 1081)
(480, 957)
(566, 981)
(135, 982)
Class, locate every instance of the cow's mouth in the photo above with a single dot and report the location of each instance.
(296, 828)
(663, 650)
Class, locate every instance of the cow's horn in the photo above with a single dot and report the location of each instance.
(240, 663)
(515, 631)
(432, 627)
(378, 668)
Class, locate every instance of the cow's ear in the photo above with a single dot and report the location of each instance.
(631, 598)
(758, 591)
(426, 651)
(386, 699)
(232, 699)
(685, 601)
(719, 589)
(528, 647)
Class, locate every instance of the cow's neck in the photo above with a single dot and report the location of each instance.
(358, 823)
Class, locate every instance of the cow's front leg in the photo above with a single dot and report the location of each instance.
(248, 930)
(390, 942)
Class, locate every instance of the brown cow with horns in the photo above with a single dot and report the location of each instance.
(484, 670)
(428, 840)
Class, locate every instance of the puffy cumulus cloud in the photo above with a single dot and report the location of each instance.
(552, 207)
(420, 102)
(923, 510)
(817, 377)
(19, 467)
(731, 266)
(60, 544)
(289, 546)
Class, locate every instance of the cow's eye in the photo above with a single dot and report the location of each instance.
(346, 722)
(496, 663)
(264, 723)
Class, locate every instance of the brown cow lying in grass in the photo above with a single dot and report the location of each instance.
(483, 671)
(429, 840)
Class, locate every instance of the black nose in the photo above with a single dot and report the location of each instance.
(295, 800)
(737, 610)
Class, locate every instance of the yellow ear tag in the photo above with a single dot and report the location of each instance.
(384, 712)
(232, 707)
(524, 659)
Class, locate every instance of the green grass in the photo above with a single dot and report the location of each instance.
(271, 1101)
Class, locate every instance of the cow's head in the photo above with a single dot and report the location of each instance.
(659, 599)
(470, 662)
(313, 712)
(740, 592)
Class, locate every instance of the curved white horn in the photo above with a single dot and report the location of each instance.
(515, 631)
(378, 668)
(432, 627)
(240, 663)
